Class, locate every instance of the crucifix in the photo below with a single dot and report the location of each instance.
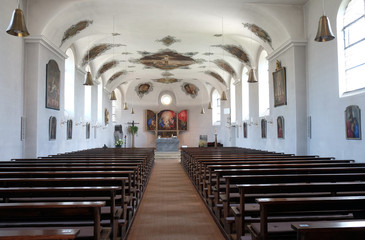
(133, 129)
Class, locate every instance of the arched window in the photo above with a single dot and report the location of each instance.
(352, 47)
(263, 72)
(216, 108)
(245, 97)
(232, 91)
(70, 83)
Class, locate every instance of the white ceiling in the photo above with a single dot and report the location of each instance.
(140, 25)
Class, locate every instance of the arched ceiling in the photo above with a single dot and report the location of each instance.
(166, 43)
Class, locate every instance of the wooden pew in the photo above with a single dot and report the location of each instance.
(38, 234)
(48, 212)
(299, 206)
(330, 230)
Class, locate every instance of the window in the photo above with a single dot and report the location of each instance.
(245, 97)
(263, 72)
(166, 99)
(216, 108)
(352, 61)
(114, 111)
(233, 101)
(70, 82)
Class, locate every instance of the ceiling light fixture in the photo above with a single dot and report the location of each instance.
(17, 24)
(251, 74)
(113, 97)
(223, 96)
(125, 106)
(324, 32)
(88, 77)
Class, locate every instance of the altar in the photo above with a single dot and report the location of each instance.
(167, 145)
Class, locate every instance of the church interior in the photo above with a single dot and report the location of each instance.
(197, 77)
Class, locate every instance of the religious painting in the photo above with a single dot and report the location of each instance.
(190, 89)
(69, 129)
(166, 120)
(353, 122)
(168, 40)
(263, 128)
(52, 85)
(280, 126)
(245, 129)
(75, 29)
(87, 130)
(279, 78)
(166, 60)
(166, 80)
(143, 89)
(151, 120)
(238, 52)
(203, 140)
(106, 116)
(183, 120)
(52, 128)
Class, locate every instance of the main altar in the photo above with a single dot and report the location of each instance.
(167, 144)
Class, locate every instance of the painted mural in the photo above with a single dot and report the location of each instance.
(183, 120)
(190, 89)
(166, 80)
(167, 60)
(225, 66)
(261, 33)
(97, 50)
(75, 29)
(143, 89)
(166, 120)
(107, 66)
(151, 120)
(168, 40)
(116, 75)
(216, 76)
(238, 52)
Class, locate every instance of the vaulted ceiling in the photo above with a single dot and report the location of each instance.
(166, 43)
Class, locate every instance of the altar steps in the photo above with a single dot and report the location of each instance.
(167, 155)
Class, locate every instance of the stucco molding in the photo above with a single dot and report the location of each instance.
(284, 47)
(42, 40)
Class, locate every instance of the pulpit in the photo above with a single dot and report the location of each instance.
(167, 145)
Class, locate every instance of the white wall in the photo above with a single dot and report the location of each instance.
(11, 86)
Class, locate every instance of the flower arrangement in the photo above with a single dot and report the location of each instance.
(133, 129)
(118, 143)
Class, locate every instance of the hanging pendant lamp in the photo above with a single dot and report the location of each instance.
(210, 105)
(17, 24)
(132, 112)
(125, 107)
(202, 111)
(223, 97)
(112, 96)
(88, 79)
(324, 32)
(252, 77)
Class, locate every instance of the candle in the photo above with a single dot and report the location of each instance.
(215, 130)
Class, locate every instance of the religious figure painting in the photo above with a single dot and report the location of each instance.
(245, 130)
(190, 89)
(279, 78)
(69, 129)
(143, 89)
(353, 122)
(52, 85)
(52, 128)
(166, 120)
(183, 120)
(263, 128)
(280, 126)
(87, 130)
(203, 140)
(151, 120)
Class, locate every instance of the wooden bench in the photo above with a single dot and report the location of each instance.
(38, 234)
(46, 213)
(321, 206)
(330, 230)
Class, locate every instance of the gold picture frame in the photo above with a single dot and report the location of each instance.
(52, 85)
(279, 81)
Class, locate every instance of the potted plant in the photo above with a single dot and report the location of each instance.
(118, 143)
(133, 130)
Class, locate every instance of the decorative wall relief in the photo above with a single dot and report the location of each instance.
(106, 116)
(52, 128)
(143, 89)
(75, 29)
(261, 33)
(190, 89)
(52, 85)
(353, 122)
(168, 40)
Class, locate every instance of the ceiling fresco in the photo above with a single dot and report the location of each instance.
(168, 40)
(143, 89)
(190, 89)
(216, 76)
(261, 33)
(237, 52)
(106, 66)
(226, 67)
(116, 75)
(75, 29)
(97, 50)
(167, 60)
(167, 80)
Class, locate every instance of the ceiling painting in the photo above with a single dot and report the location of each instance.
(238, 52)
(167, 74)
(167, 60)
(225, 66)
(143, 89)
(97, 51)
(75, 29)
(261, 33)
(107, 66)
(167, 80)
(116, 75)
(190, 89)
(216, 76)
(168, 40)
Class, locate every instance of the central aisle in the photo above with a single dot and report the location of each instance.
(171, 208)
